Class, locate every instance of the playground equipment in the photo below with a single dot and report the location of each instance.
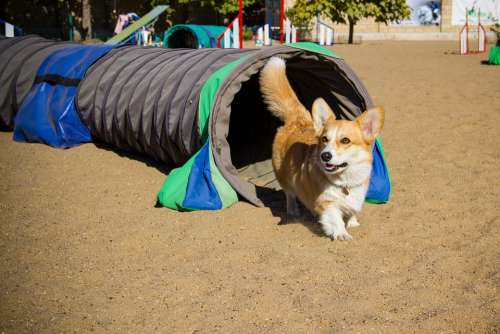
(198, 109)
(464, 36)
(144, 22)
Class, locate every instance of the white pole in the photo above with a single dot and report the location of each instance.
(287, 30)
(227, 39)
(236, 34)
(482, 39)
(260, 37)
(321, 34)
(267, 40)
(329, 36)
(463, 42)
(294, 34)
(9, 30)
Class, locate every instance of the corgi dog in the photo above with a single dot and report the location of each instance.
(324, 162)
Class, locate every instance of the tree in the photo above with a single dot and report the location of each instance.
(349, 11)
(223, 7)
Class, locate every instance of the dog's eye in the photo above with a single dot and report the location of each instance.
(345, 140)
(324, 139)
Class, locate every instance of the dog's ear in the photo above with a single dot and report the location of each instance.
(371, 122)
(321, 112)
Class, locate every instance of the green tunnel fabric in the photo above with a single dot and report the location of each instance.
(494, 58)
(315, 48)
(173, 192)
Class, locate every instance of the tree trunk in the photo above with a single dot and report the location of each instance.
(86, 19)
(351, 29)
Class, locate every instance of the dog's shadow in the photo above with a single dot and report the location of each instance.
(275, 200)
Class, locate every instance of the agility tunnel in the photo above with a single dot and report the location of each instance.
(20, 59)
(198, 109)
(192, 36)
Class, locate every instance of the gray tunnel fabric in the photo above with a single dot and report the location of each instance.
(145, 100)
(20, 59)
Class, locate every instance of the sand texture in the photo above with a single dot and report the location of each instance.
(83, 249)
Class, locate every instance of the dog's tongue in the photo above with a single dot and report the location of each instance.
(331, 166)
(334, 167)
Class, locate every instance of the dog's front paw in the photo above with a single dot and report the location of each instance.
(333, 225)
(336, 233)
(344, 236)
(353, 222)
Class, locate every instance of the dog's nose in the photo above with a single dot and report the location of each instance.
(326, 156)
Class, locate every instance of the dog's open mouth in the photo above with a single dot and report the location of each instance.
(333, 168)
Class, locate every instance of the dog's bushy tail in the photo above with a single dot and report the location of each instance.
(278, 94)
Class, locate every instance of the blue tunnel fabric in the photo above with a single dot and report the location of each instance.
(201, 192)
(379, 189)
(48, 114)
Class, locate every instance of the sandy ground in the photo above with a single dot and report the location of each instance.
(83, 249)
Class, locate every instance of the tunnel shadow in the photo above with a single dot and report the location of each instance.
(162, 167)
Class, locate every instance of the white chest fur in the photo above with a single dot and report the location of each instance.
(351, 200)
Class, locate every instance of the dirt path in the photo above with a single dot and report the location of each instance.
(82, 248)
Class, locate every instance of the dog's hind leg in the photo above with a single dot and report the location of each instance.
(292, 207)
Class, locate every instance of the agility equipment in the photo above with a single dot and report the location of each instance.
(263, 37)
(232, 35)
(145, 21)
(193, 36)
(324, 32)
(494, 56)
(464, 36)
(199, 110)
(20, 59)
(196, 36)
(290, 32)
(9, 30)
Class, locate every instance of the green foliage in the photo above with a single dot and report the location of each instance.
(301, 18)
(496, 29)
(223, 7)
(342, 11)
(247, 34)
(349, 11)
(391, 10)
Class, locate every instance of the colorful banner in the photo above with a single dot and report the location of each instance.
(490, 11)
(423, 12)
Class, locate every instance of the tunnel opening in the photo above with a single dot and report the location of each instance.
(182, 38)
(252, 127)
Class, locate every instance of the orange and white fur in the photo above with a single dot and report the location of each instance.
(324, 162)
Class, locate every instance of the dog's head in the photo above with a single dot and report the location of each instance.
(345, 145)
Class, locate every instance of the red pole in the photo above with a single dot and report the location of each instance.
(282, 19)
(241, 24)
